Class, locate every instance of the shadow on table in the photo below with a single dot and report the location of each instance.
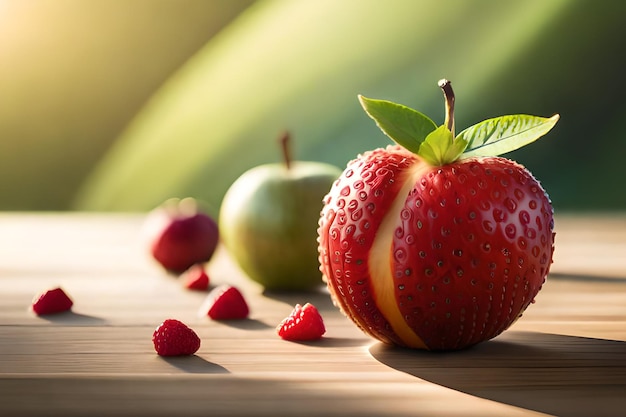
(562, 375)
(333, 342)
(72, 318)
(194, 364)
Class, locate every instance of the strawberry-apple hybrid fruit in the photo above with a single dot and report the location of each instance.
(180, 235)
(268, 221)
(437, 243)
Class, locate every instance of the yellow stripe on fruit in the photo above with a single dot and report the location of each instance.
(380, 263)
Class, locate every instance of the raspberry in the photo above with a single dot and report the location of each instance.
(196, 278)
(51, 302)
(225, 303)
(304, 323)
(174, 338)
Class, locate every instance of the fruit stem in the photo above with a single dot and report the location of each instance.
(284, 144)
(448, 94)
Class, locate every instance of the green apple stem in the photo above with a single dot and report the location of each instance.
(284, 144)
(448, 94)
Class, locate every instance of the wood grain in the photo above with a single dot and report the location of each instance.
(565, 357)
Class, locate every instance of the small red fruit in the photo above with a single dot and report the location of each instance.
(174, 338)
(51, 302)
(443, 247)
(180, 235)
(196, 278)
(225, 303)
(304, 323)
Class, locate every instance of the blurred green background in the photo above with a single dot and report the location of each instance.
(118, 105)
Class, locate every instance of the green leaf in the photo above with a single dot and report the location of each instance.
(504, 134)
(440, 147)
(405, 126)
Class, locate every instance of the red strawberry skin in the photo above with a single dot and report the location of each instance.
(436, 258)
(304, 323)
(352, 213)
(51, 302)
(225, 303)
(174, 338)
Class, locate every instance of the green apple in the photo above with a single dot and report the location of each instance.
(269, 218)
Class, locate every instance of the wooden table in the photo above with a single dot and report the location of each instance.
(565, 357)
